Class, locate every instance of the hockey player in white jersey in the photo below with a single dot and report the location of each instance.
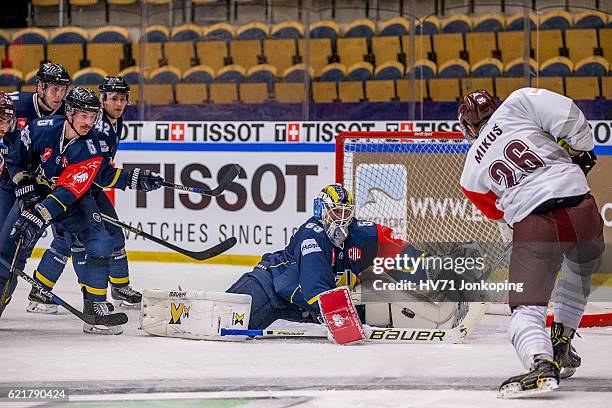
(527, 168)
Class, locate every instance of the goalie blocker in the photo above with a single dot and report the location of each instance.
(340, 316)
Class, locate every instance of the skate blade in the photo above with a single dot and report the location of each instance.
(513, 390)
(35, 307)
(122, 304)
(91, 329)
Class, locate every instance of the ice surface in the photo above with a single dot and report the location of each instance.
(53, 351)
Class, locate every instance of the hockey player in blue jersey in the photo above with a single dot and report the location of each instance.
(54, 163)
(114, 95)
(7, 122)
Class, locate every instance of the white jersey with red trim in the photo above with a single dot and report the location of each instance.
(516, 163)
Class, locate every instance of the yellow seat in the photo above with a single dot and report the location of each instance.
(212, 53)
(422, 47)
(546, 44)
(290, 92)
(324, 92)
(386, 49)
(320, 50)
(471, 84)
(380, 90)
(26, 57)
(403, 90)
(224, 92)
(511, 45)
(480, 46)
(606, 87)
(352, 50)
(191, 94)
(254, 92)
(580, 43)
(582, 87)
(180, 54)
(152, 55)
(158, 94)
(351, 91)
(605, 40)
(45, 3)
(82, 2)
(106, 56)
(279, 53)
(444, 90)
(554, 84)
(447, 47)
(505, 86)
(245, 52)
(69, 55)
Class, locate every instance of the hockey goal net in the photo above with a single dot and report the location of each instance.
(409, 181)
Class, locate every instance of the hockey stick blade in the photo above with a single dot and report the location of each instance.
(114, 319)
(213, 251)
(228, 177)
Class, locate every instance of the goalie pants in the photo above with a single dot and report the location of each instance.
(54, 259)
(83, 220)
(266, 305)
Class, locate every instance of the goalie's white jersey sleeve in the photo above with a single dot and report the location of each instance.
(516, 163)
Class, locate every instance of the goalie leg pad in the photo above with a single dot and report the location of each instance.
(341, 316)
(194, 314)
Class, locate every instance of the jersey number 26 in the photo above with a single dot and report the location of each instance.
(518, 157)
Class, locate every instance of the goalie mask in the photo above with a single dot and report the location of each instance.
(334, 208)
(474, 108)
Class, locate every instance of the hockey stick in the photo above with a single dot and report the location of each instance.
(7, 285)
(114, 319)
(232, 172)
(197, 255)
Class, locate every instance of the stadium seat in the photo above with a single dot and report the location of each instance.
(333, 73)
(424, 69)
(30, 35)
(325, 29)
(361, 28)
(605, 40)
(546, 44)
(287, 30)
(606, 87)
(430, 25)
(592, 66)
(45, 3)
(505, 86)
(212, 53)
(386, 48)
(389, 70)
(352, 50)
(351, 91)
(488, 67)
(230, 73)
(158, 88)
(361, 71)
(263, 73)
(444, 90)
(447, 47)
(224, 93)
(156, 33)
(81, 3)
(246, 53)
(152, 53)
(89, 76)
(254, 92)
(590, 19)
(320, 51)
(380, 90)
(26, 51)
(280, 53)
(106, 47)
(471, 84)
(556, 20)
(480, 46)
(510, 45)
(290, 92)
(186, 32)
(220, 32)
(422, 47)
(191, 93)
(252, 31)
(200, 74)
(297, 73)
(132, 76)
(455, 68)
(516, 22)
(491, 22)
(554, 84)
(457, 23)
(397, 27)
(556, 67)
(109, 34)
(5, 39)
(67, 46)
(325, 92)
(180, 54)
(516, 67)
(164, 75)
(581, 43)
(10, 79)
(586, 88)
(403, 90)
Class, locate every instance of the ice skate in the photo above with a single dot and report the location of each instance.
(543, 378)
(564, 353)
(99, 309)
(40, 303)
(126, 297)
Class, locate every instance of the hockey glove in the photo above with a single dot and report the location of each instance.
(586, 160)
(29, 227)
(145, 180)
(26, 194)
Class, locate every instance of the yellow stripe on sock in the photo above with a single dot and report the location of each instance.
(94, 291)
(45, 281)
(116, 281)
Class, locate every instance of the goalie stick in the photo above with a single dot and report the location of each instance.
(232, 172)
(114, 319)
(197, 255)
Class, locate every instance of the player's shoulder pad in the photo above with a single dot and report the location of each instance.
(363, 229)
(312, 238)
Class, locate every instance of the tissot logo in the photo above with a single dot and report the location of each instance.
(177, 132)
(293, 132)
(162, 131)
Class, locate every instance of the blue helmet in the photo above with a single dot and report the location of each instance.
(334, 208)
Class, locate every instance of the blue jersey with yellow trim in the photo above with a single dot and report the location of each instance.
(109, 136)
(310, 264)
(63, 169)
